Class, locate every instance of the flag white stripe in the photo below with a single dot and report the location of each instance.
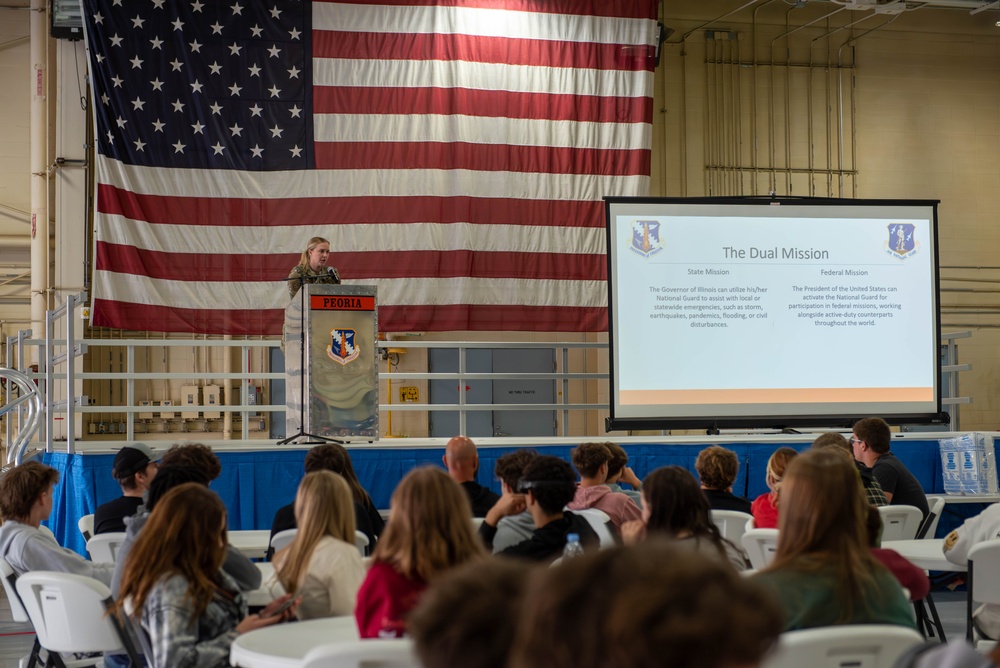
(274, 295)
(367, 183)
(481, 22)
(481, 76)
(479, 130)
(229, 240)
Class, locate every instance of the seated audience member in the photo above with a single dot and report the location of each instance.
(334, 457)
(193, 455)
(823, 573)
(871, 441)
(547, 485)
(428, 533)
(873, 490)
(512, 529)
(717, 468)
(591, 461)
(673, 507)
(134, 469)
(25, 502)
(236, 565)
(910, 577)
(984, 526)
(189, 608)
(619, 472)
(646, 605)
(322, 564)
(765, 507)
(468, 617)
(462, 461)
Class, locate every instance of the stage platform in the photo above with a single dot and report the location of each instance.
(259, 477)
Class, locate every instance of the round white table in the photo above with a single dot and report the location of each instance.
(924, 553)
(285, 645)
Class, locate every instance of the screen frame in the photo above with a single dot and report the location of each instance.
(773, 421)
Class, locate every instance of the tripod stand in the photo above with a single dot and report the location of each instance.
(312, 439)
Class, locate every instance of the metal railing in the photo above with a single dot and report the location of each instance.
(29, 407)
(60, 382)
(58, 376)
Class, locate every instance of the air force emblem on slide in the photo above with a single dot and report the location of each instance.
(901, 243)
(342, 349)
(646, 238)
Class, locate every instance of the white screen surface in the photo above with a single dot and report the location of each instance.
(746, 311)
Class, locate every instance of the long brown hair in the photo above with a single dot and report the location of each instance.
(821, 526)
(430, 526)
(323, 507)
(677, 505)
(185, 535)
(334, 457)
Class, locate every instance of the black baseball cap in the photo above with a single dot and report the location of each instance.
(131, 459)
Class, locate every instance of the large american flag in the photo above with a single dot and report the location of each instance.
(455, 153)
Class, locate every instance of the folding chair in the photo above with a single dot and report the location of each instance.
(103, 548)
(17, 610)
(930, 525)
(598, 520)
(900, 522)
(847, 646)
(69, 613)
(86, 526)
(760, 546)
(282, 539)
(361, 542)
(983, 583)
(732, 524)
(370, 653)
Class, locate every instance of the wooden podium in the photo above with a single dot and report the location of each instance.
(339, 370)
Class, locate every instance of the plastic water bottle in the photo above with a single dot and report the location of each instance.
(573, 547)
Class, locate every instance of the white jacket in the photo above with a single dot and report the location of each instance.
(332, 580)
(984, 526)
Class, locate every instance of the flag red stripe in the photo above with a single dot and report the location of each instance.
(481, 157)
(351, 265)
(227, 211)
(481, 49)
(460, 317)
(484, 103)
(633, 9)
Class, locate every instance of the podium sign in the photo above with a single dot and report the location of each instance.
(340, 364)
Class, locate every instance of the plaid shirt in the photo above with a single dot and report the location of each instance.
(873, 489)
(180, 640)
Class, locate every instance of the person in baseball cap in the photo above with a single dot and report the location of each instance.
(134, 468)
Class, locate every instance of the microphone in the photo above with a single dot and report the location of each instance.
(332, 271)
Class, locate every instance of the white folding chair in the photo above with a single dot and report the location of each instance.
(371, 653)
(760, 546)
(936, 505)
(900, 522)
(103, 547)
(854, 645)
(68, 612)
(86, 526)
(598, 520)
(732, 524)
(282, 539)
(17, 610)
(983, 581)
(361, 542)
